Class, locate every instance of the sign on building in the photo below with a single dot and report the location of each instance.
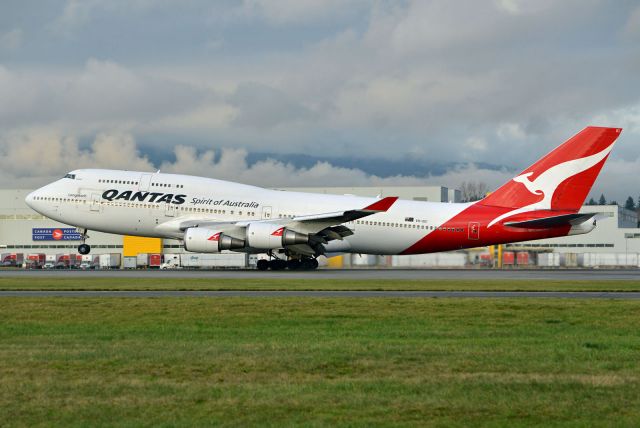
(55, 234)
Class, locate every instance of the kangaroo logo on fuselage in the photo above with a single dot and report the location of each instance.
(546, 183)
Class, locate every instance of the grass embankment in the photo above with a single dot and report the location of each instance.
(97, 283)
(355, 362)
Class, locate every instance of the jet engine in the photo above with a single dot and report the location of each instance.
(269, 236)
(204, 240)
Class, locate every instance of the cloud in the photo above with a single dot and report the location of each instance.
(11, 40)
(101, 94)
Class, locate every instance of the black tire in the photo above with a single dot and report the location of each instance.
(293, 264)
(262, 264)
(277, 264)
(84, 249)
(309, 264)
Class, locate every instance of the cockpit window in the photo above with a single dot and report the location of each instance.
(71, 176)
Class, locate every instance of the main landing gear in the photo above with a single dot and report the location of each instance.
(304, 263)
(84, 248)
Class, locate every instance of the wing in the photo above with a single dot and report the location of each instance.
(322, 228)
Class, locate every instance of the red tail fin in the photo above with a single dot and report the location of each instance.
(562, 179)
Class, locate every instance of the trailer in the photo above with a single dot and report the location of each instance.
(129, 262)
(12, 259)
(35, 261)
(110, 261)
(212, 261)
(68, 261)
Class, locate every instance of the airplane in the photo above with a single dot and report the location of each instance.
(294, 228)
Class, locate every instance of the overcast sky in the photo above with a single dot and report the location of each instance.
(482, 87)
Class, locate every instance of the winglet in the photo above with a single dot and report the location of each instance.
(382, 205)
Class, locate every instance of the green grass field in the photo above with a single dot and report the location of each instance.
(315, 362)
(164, 283)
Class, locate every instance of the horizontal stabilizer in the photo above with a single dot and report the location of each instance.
(554, 221)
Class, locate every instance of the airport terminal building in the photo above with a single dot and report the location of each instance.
(615, 241)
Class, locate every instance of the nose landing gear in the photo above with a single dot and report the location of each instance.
(84, 248)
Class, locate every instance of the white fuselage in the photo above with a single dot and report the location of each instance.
(174, 199)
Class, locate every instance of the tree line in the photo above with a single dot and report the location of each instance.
(476, 190)
(629, 204)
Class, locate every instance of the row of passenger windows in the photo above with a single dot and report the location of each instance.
(135, 183)
(177, 186)
(409, 226)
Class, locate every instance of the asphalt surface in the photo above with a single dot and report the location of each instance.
(343, 294)
(351, 274)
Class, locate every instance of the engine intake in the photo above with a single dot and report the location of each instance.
(204, 240)
(268, 236)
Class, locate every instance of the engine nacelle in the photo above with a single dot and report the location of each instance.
(201, 240)
(268, 236)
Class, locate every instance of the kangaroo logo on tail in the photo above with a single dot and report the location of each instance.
(547, 182)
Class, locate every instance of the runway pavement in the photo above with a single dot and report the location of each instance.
(343, 294)
(350, 274)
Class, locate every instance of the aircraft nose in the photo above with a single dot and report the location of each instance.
(29, 200)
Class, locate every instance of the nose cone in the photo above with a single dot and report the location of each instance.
(29, 200)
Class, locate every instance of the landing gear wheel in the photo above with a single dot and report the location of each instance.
(309, 264)
(84, 249)
(262, 264)
(277, 264)
(294, 264)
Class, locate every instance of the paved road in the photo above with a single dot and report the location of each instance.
(344, 294)
(351, 274)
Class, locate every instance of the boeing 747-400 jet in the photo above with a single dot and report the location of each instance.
(294, 228)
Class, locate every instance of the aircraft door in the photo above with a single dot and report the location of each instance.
(170, 210)
(266, 213)
(145, 181)
(95, 202)
(474, 231)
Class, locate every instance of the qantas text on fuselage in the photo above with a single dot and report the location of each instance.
(294, 228)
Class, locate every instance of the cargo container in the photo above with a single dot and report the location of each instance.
(522, 258)
(433, 260)
(220, 260)
(569, 259)
(609, 259)
(110, 261)
(129, 262)
(549, 259)
(155, 260)
(508, 258)
(12, 259)
(35, 261)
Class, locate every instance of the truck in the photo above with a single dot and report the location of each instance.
(87, 262)
(110, 261)
(171, 261)
(68, 261)
(35, 261)
(12, 259)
